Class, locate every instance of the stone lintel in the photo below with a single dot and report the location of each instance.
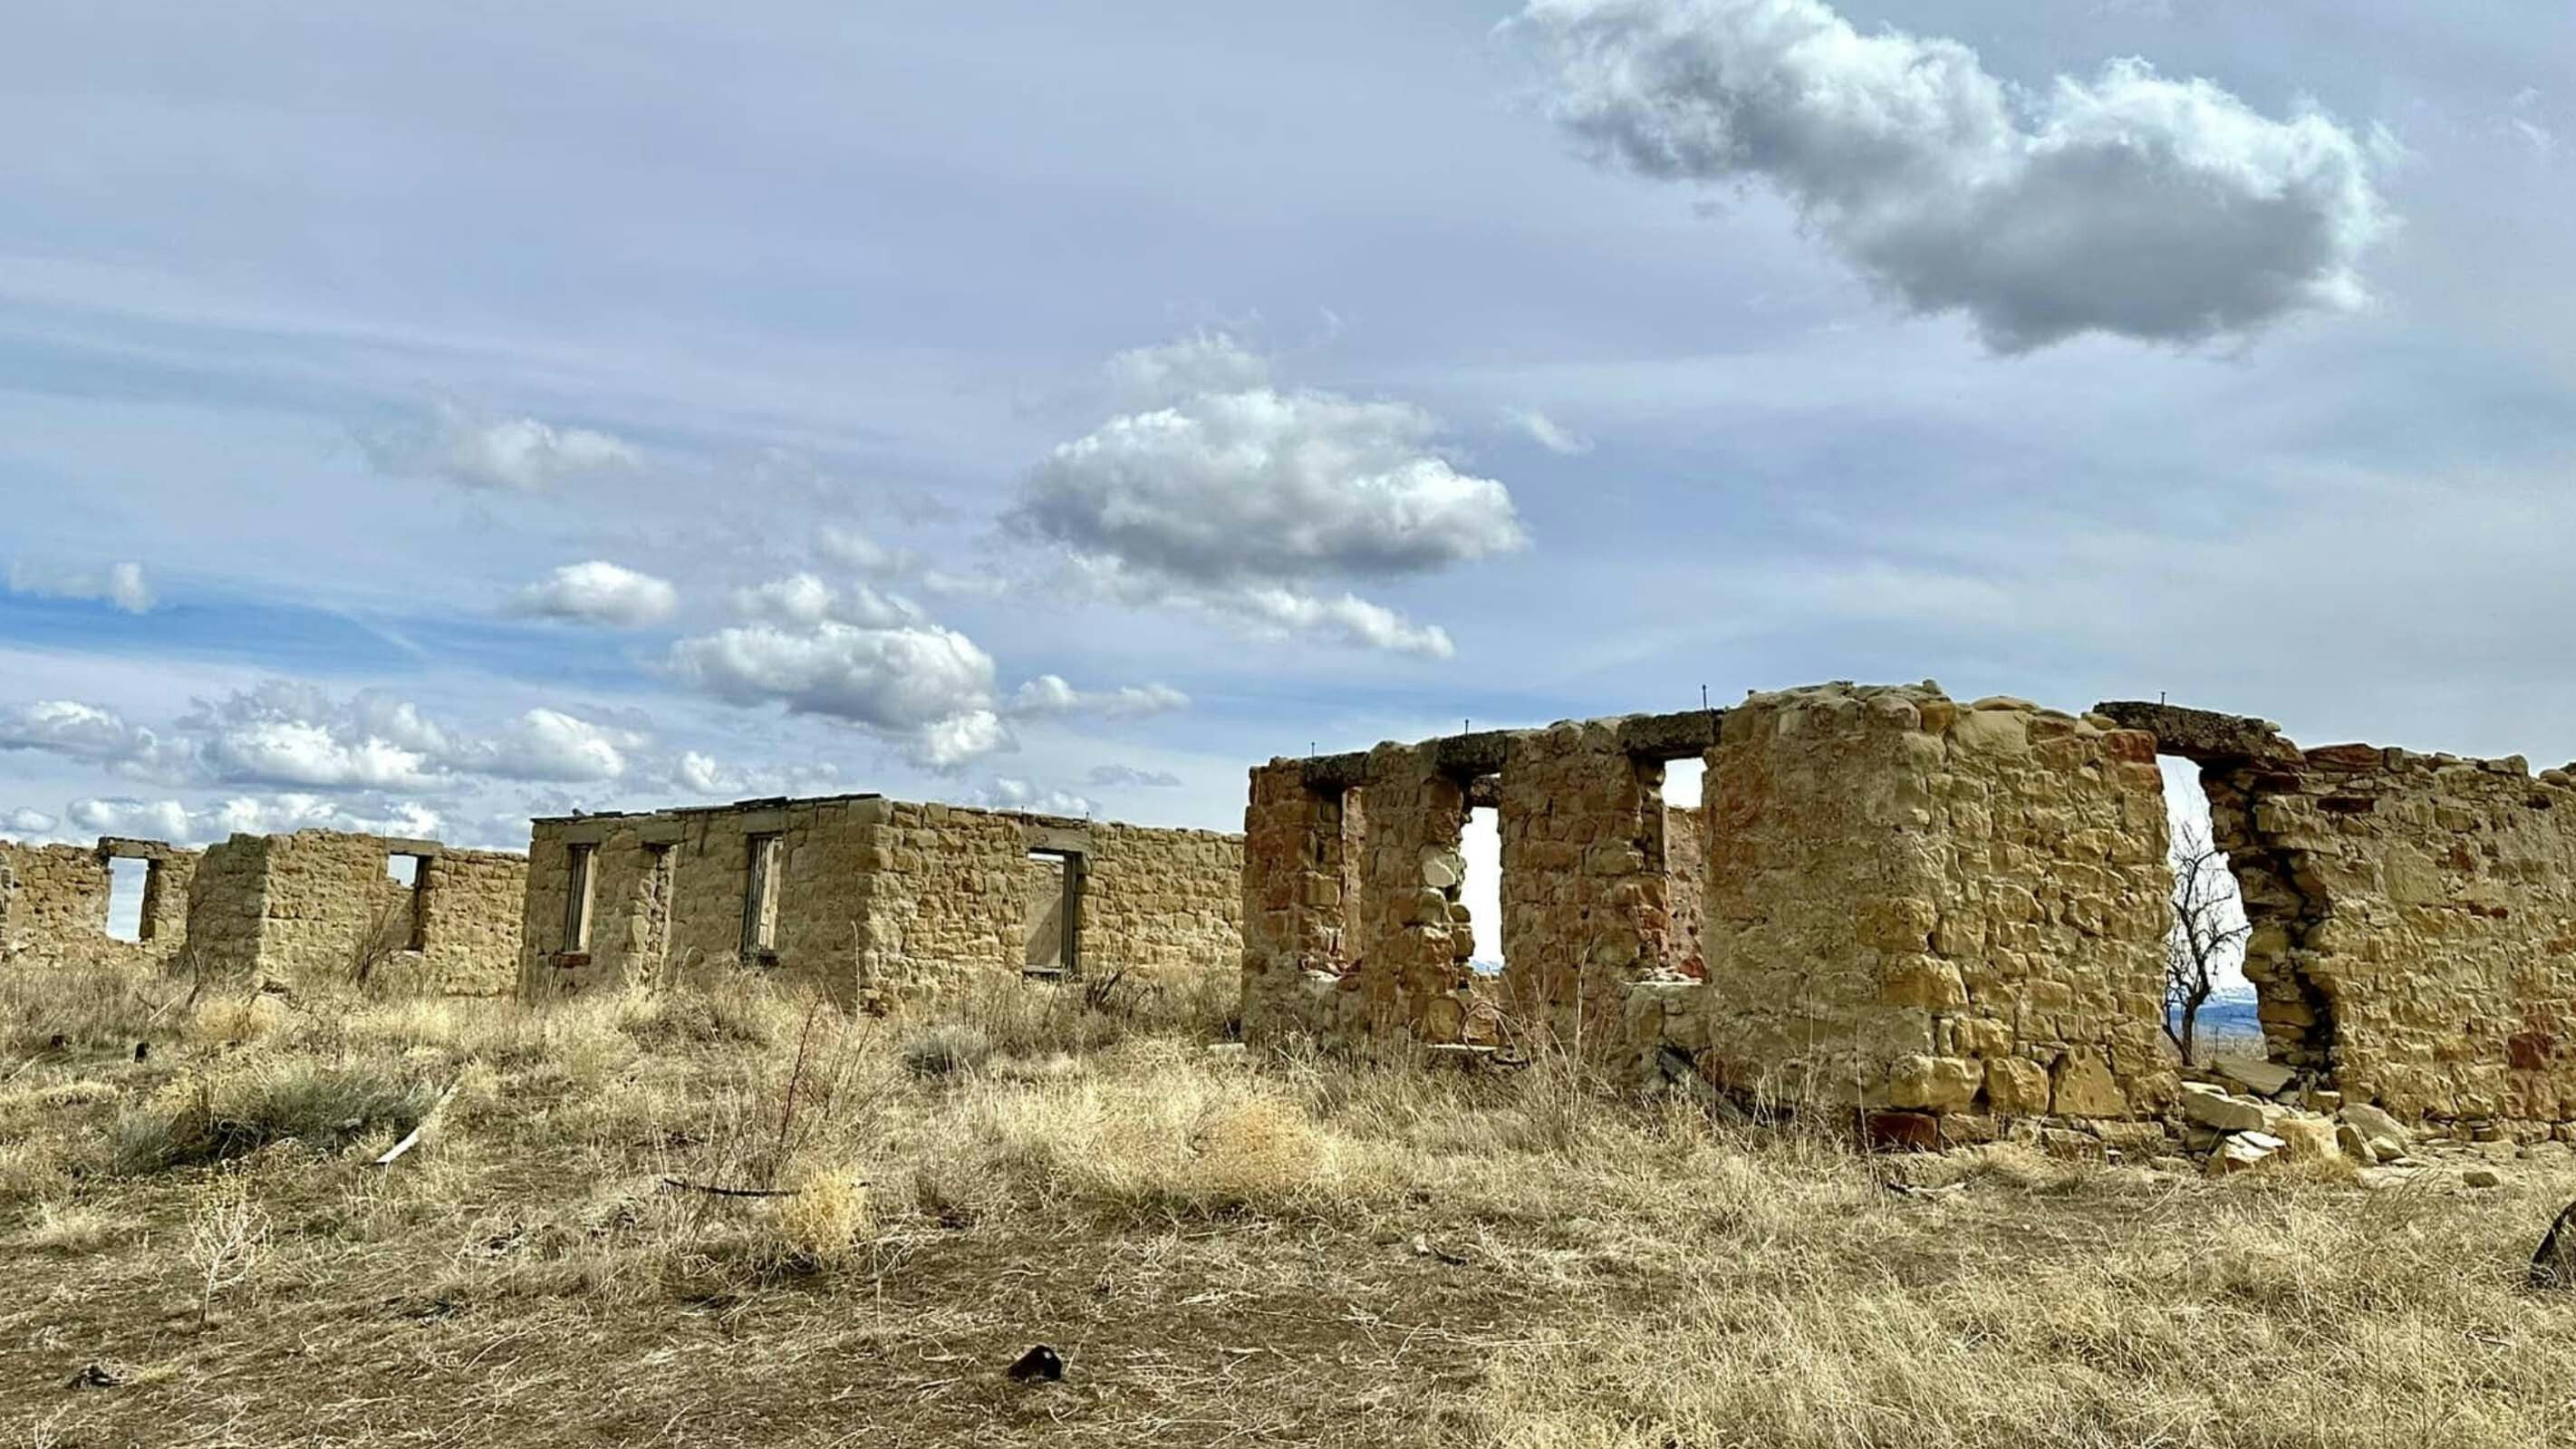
(764, 822)
(662, 830)
(1485, 792)
(1684, 735)
(2202, 735)
(1063, 839)
(399, 845)
(126, 847)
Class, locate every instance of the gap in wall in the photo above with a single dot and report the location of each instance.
(1480, 842)
(125, 881)
(2227, 1024)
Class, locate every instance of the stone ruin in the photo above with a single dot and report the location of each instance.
(1949, 917)
(307, 911)
(872, 900)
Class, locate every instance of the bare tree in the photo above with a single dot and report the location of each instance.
(2209, 933)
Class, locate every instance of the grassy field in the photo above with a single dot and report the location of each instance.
(1229, 1247)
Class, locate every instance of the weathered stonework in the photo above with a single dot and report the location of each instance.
(54, 901)
(1353, 876)
(869, 899)
(2414, 916)
(312, 909)
(1924, 906)
(1587, 888)
(292, 909)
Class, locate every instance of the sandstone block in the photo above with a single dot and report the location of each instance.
(1933, 1084)
(2082, 1086)
(2016, 1087)
(2306, 1137)
(2215, 1109)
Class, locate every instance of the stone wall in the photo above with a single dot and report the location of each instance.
(2413, 915)
(1919, 905)
(875, 899)
(1300, 880)
(1586, 889)
(308, 910)
(1686, 891)
(55, 900)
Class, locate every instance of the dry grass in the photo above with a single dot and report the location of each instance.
(1230, 1247)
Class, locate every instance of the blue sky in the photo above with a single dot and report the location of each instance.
(417, 420)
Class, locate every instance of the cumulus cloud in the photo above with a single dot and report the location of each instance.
(1005, 793)
(1128, 777)
(804, 599)
(119, 585)
(1227, 487)
(598, 592)
(2159, 209)
(926, 687)
(73, 730)
(249, 815)
(290, 734)
(1548, 433)
(24, 822)
(474, 450)
(547, 744)
(1050, 694)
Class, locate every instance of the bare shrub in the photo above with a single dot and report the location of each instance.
(227, 1236)
(210, 1117)
(944, 1050)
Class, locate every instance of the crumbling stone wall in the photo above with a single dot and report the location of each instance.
(875, 899)
(1415, 937)
(52, 897)
(1587, 887)
(305, 910)
(55, 901)
(2414, 915)
(1300, 879)
(1919, 905)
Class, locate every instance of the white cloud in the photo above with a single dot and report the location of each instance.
(863, 555)
(520, 455)
(700, 773)
(121, 585)
(72, 730)
(928, 688)
(2158, 209)
(1202, 362)
(279, 814)
(805, 600)
(1234, 490)
(1005, 793)
(947, 744)
(1350, 619)
(599, 592)
(1050, 694)
(547, 744)
(24, 822)
(1548, 433)
(1128, 777)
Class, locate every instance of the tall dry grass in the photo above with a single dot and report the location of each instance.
(1660, 1278)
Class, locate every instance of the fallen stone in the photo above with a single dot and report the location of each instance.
(2387, 1149)
(2374, 1123)
(2307, 1137)
(2210, 1107)
(2349, 1141)
(2244, 1150)
(2169, 1164)
(2481, 1177)
(2263, 1079)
